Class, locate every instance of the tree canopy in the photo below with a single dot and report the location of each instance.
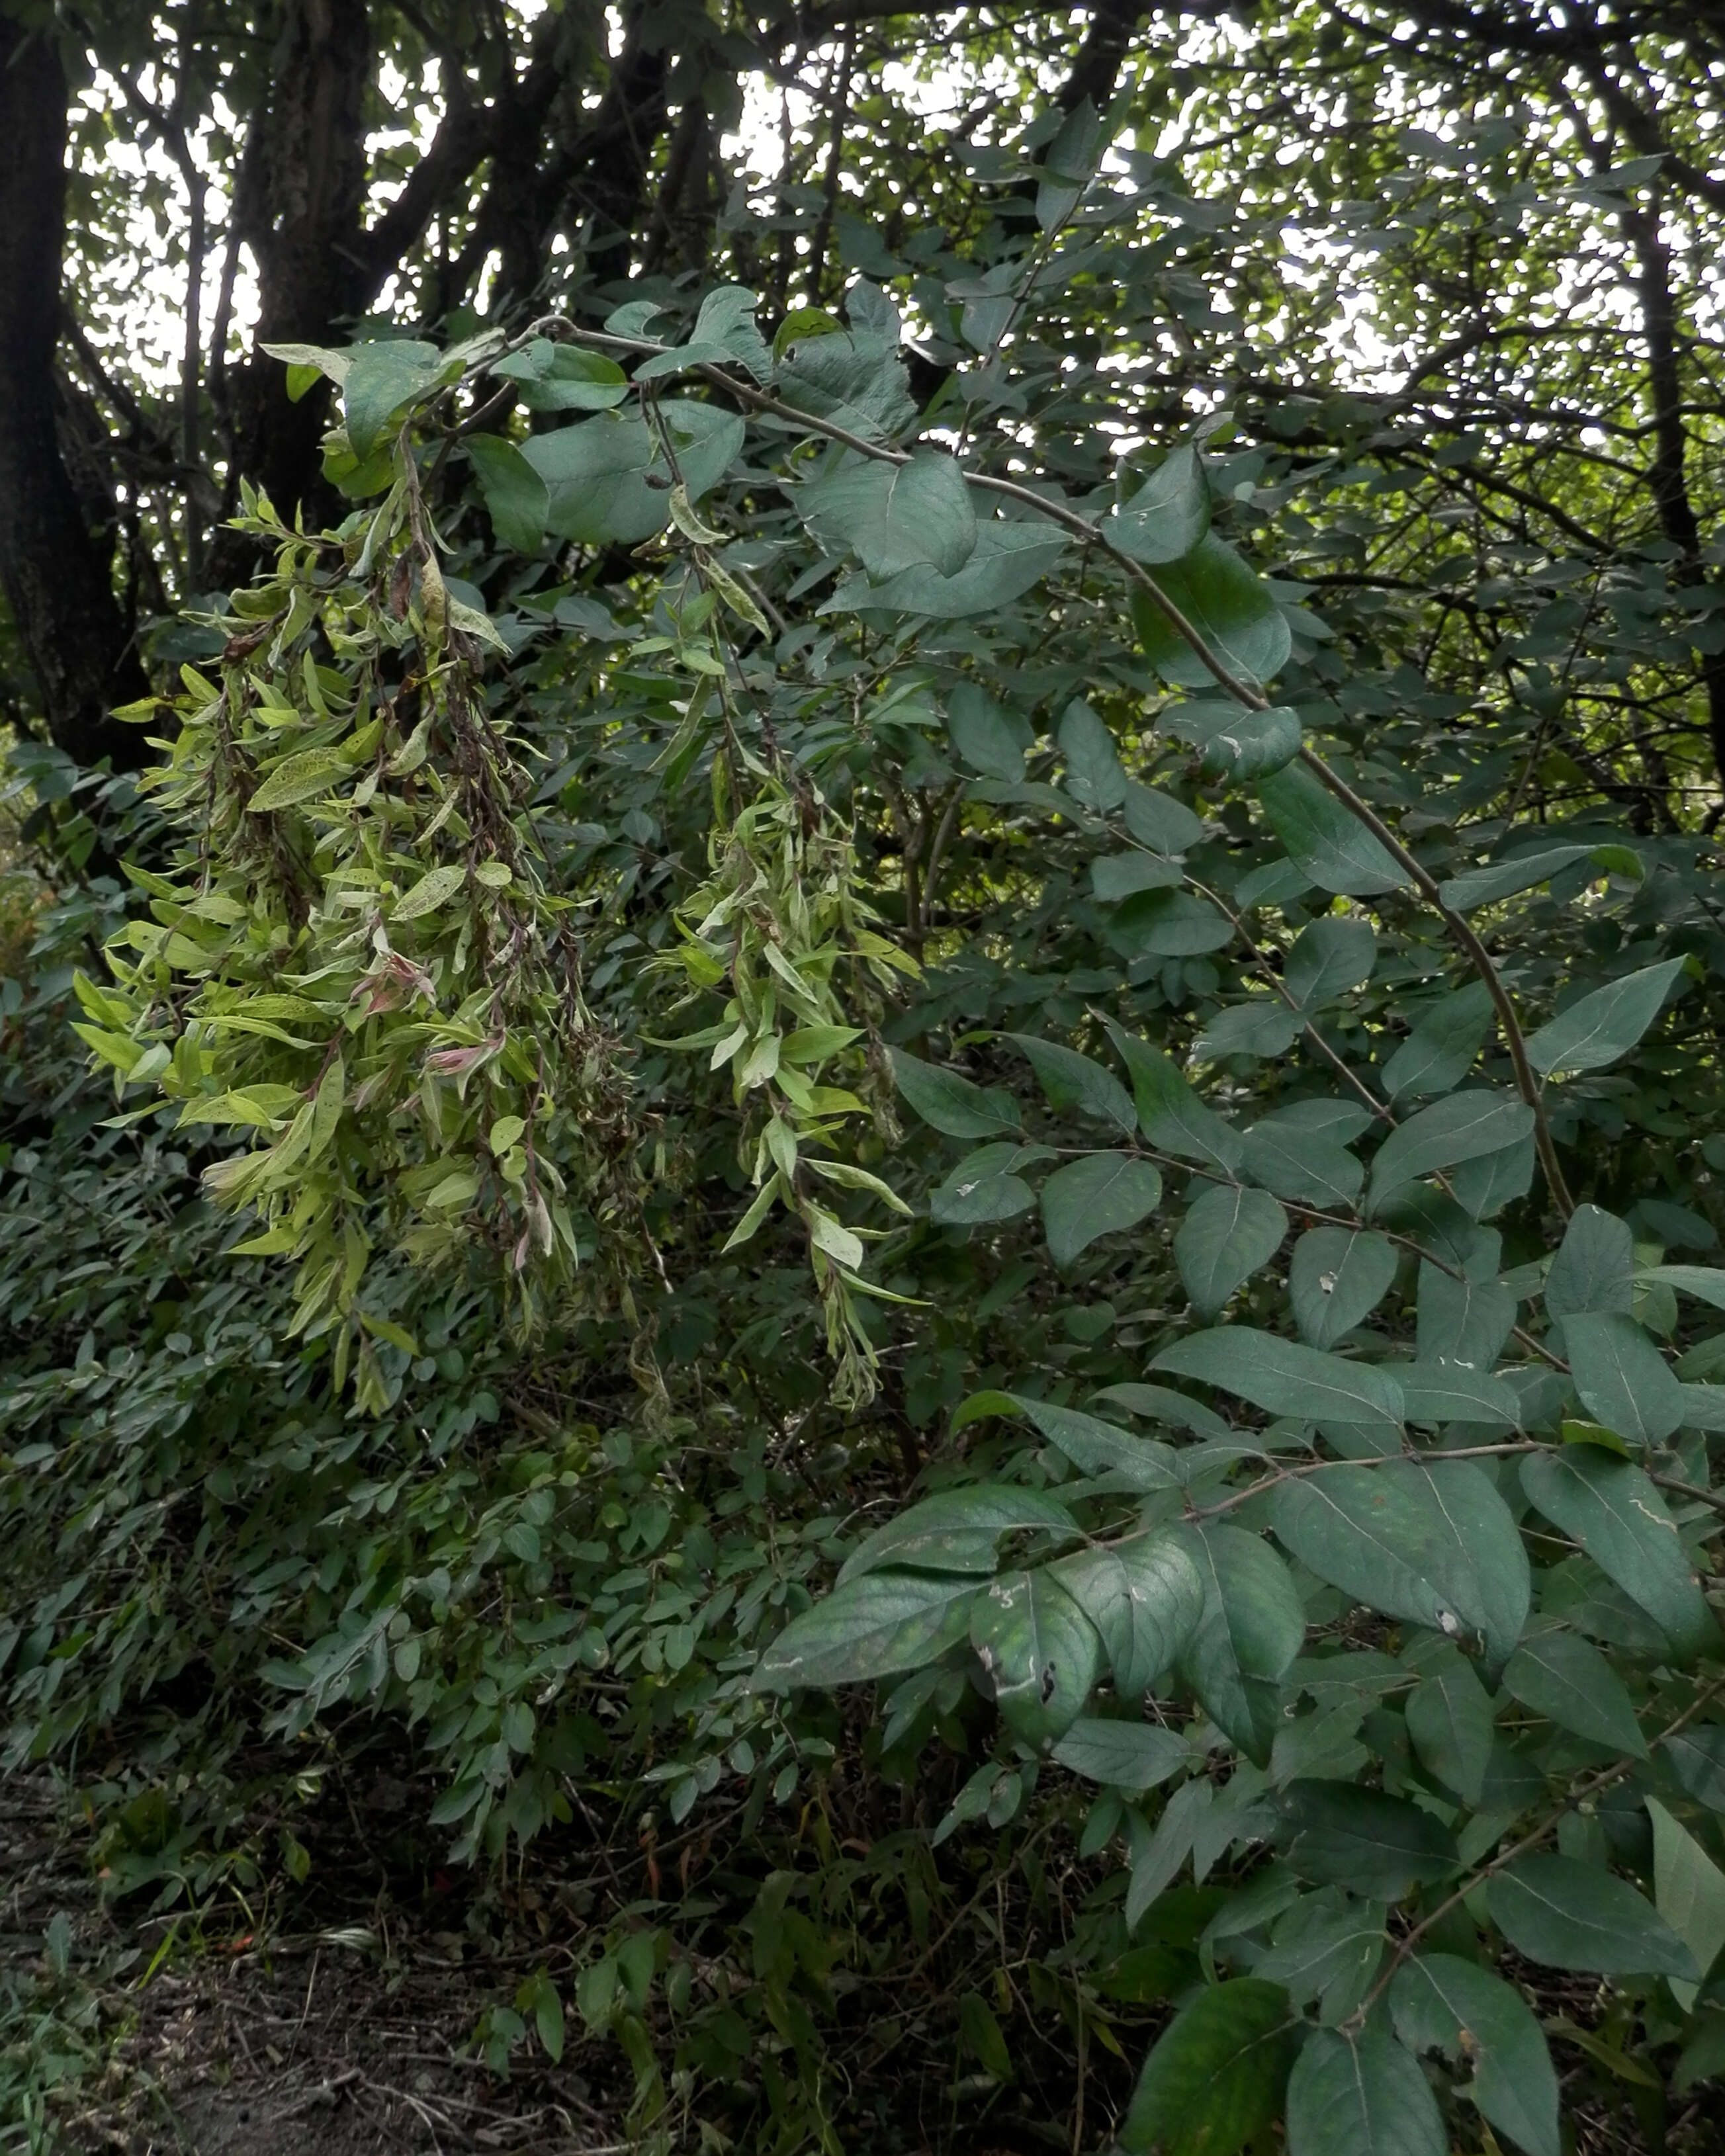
(863, 957)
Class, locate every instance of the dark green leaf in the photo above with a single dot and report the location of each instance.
(1041, 1653)
(1322, 838)
(1609, 1507)
(957, 1530)
(1134, 1756)
(1327, 1947)
(1157, 821)
(1170, 1114)
(1378, 1845)
(1145, 1596)
(1119, 876)
(1594, 1268)
(1170, 924)
(1565, 1914)
(1697, 1755)
(1284, 1379)
(597, 472)
(1361, 2096)
(872, 1627)
(1069, 166)
(1235, 742)
(1559, 1675)
(1215, 2078)
(951, 1103)
(917, 516)
(1102, 1194)
(515, 495)
(1228, 607)
(1330, 956)
(1442, 2003)
(1167, 516)
(1252, 1629)
(1229, 1233)
(1096, 1447)
(1429, 1540)
(1075, 1085)
(1601, 1027)
(1092, 762)
(378, 380)
(1504, 878)
(1624, 1381)
(990, 738)
(1689, 1892)
(1439, 1051)
(1465, 1127)
(1336, 1278)
(1451, 1724)
(1305, 1165)
(985, 1187)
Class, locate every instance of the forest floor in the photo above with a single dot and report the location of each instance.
(341, 2020)
(197, 2036)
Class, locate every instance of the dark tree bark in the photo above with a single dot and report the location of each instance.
(57, 575)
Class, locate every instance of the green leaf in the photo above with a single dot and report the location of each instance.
(1336, 1278)
(1075, 1085)
(1252, 1629)
(1428, 1541)
(435, 889)
(917, 516)
(516, 498)
(1102, 1194)
(1169, 924)
(1565, 1914)
(1327, 1947)
(1601, 1027)
(1559, 1675)
(1330, 956)
(1689, 1892)
(597, 473)
(957, 1530)
(989, 738)
(1440, 1392)
(1133, 1755)
(985, 1189)
(1378, 1845)
(1040, 1651)
(1705, 1283)
(1215, 2078)
(1165, 519)
(1170, 1114)
(378, 380)
(300, 778)
(951, 1103)
(1260, 1027)
(1095, 1447)
(1093, 768)
(1298, 1163)
(1235, 742)
(1442, 2003)
(1006, 561)
(1145, 1596)
(1622, 1378)
(1119, 876)
(1609, 1507)
(1439, 1051)
(1070, 165)
(1461, 1321)
(1485, 1184)
(1696, 1756)
(1229, 606)
(1594, 1268)
(1504, 878)
(1333, 847)
(1465, 1127)
(1284, 1379)
(1361, 2096)
(873, 1627)
(983, 2037)
(1157, 821)
(1451, 1724)
(1228, 1235)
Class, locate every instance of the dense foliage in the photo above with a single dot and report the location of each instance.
(921, 1087)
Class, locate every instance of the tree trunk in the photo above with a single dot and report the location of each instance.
(57, 577)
